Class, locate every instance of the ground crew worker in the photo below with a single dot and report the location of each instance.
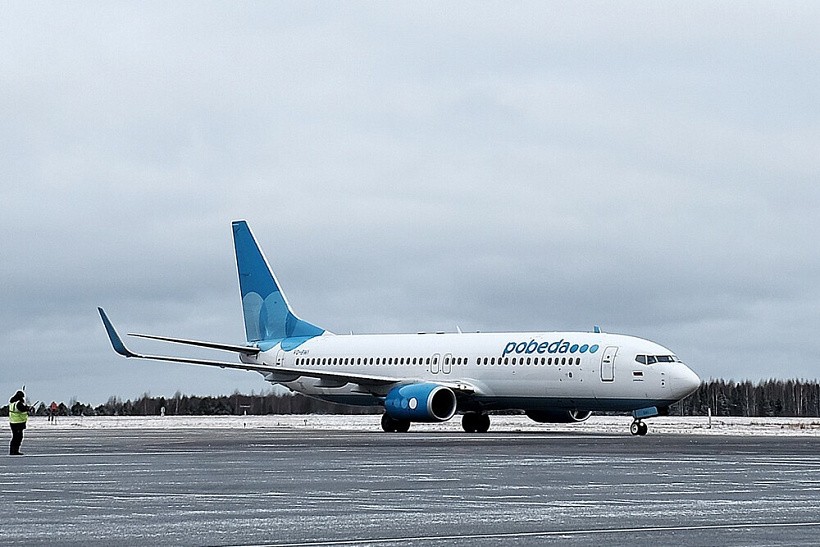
(18, 416)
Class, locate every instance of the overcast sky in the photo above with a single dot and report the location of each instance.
(649, 167)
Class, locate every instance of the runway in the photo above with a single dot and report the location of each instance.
(345, 486)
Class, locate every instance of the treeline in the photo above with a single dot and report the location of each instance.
(774, 398)
(185, 405)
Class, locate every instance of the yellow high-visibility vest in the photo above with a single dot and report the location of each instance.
(15, 416)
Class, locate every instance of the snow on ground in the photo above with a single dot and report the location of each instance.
(596, 424)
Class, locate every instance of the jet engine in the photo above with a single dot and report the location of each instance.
(558, 416)
(424, 402)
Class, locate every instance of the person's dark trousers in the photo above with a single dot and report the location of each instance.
(16, 438)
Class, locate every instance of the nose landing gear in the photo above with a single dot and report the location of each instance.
(638, 428)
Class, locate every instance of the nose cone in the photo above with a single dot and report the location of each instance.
(686, 381)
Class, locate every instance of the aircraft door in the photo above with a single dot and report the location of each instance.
(608, 364)
(434, 363)
(280, 359)
(447, 363)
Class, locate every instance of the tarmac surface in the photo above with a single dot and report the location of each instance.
(307, 486)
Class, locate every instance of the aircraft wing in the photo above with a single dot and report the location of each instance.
(332, 379)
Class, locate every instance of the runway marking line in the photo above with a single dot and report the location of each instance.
(542, 533)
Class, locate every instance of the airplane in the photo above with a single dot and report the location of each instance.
(553, 377)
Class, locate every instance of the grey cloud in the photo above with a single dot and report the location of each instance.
(407, 167)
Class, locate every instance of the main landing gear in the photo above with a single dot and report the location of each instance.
(638, 428)
(392, 425)
(475, 422)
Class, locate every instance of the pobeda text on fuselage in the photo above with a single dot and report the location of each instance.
(551, 376)
(545, 347)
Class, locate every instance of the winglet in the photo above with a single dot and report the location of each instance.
(116, 341)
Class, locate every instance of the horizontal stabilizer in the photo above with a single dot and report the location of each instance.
(246, 350)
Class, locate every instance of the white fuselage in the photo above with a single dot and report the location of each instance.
(528, 371)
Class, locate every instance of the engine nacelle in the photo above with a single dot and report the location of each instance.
(421, 403)
(558, 416)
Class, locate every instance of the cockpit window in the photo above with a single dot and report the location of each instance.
(652, 359)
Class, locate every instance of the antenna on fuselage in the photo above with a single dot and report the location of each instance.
(596, 329)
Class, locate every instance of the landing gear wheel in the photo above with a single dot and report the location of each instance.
(475, 422)
(388, 424)
(392, 425)
(638, 428)
(483, 423)
(469, 422)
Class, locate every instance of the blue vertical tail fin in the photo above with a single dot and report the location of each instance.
(268, 317)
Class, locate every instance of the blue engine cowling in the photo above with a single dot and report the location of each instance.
(558, 416)
(421, 403)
